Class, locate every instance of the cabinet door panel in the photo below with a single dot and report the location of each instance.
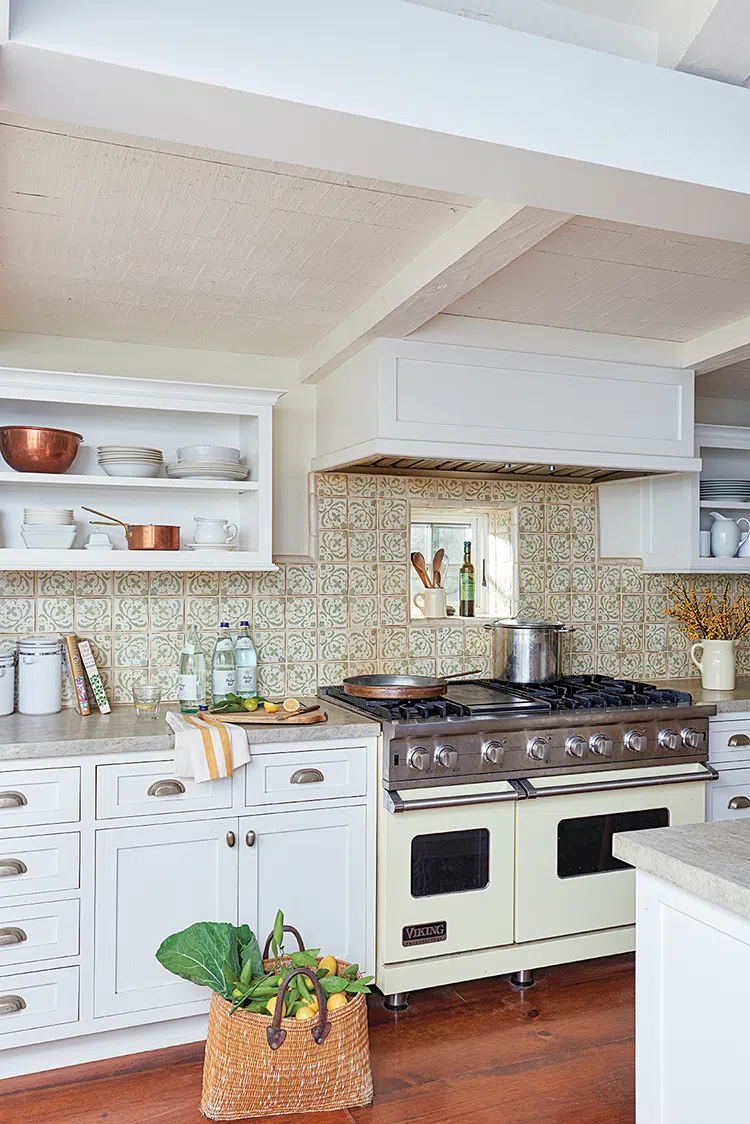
(313, 866)
(150, 882)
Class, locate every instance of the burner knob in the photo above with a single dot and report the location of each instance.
(418, 759)
(446, 756)
(575, 746)
(536, 748)
(669, 739)
(692, 738)
(601, 745)
(493, 752)
(636, 741)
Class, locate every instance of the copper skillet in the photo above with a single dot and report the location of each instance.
(400, 686)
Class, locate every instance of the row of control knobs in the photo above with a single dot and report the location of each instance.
(636, 741)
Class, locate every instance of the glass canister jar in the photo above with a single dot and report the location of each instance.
(7, 680)
(40, 674)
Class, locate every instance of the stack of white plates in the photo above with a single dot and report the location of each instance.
(725, 491)
(48, 517)
(130, 460)
(207, 462)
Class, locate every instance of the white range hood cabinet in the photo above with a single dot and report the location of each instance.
(409, 404)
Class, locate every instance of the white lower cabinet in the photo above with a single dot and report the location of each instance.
(313, 866)
(150, 882)
(30, 1000)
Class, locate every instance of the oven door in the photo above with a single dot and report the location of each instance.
(567, 880)
(445, 870)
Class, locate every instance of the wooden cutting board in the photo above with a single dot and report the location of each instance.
(261, 718)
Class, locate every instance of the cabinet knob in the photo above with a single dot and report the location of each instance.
(11, 868)
(11, 934)
(307, 776)
(738, 740)
(250, 838)
(231, 839)
(738, 802)
(10, 1004)
(12, 800)
(166, 788)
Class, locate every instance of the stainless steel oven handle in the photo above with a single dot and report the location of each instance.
(397, 804)
(707, 773)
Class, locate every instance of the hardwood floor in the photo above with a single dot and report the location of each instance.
(476, 1053)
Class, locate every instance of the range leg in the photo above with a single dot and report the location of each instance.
(398, 1001)
(522, 979)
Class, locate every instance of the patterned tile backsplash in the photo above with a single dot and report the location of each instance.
(348, 613)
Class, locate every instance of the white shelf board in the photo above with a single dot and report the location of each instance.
(60, 480)
(705, 566)
(713, 504)
(12, 559)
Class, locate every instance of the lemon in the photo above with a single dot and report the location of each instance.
(250, 704)
(306, 1013)
(311, 1001)
(270, 708)
(329, 962)
(291, 706)
(336, 1001)
(271, 1006)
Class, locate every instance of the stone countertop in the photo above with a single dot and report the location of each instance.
(725, 701)
(68, 734)
(710, 860)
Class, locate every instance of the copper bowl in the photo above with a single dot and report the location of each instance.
(31, 448)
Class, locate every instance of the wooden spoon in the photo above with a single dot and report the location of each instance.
(437, 563)
(419, 564)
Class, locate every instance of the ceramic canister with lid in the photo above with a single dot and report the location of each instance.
(7, 680)
(40, 674)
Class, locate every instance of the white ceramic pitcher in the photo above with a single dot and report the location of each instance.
(213, 531)
(717, 663)
(727, 536)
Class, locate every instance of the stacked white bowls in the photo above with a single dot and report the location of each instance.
(48, 528)
(130, 460)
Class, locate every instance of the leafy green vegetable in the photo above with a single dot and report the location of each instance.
(249, 950)
(201, 953)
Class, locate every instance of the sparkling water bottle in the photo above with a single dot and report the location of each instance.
(192, 689)
(223, 665)
(246, 677)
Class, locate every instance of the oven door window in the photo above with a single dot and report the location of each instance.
(584, 845)
(450, 862)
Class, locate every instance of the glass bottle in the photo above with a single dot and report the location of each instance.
(223, 665)
(466, 584)
(246, 660)
(192, 684)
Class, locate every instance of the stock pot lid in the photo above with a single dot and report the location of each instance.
(522, 622)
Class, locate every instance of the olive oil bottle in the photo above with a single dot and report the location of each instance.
(466, 584)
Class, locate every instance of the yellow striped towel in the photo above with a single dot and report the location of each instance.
(206, 751)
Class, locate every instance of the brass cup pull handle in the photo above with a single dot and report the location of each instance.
(738, 740)
(11, 934)
(12, 800)
(11, 868)
(11, 1004)
(307, 776)
(166, 788)
(738, 802)
(250, 838)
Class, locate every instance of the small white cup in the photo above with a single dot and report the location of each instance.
(213, 531)
(705, 539)
(432, 602)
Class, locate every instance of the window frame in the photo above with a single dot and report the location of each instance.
(479, 519)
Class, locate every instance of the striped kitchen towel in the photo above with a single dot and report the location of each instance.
(206, 751)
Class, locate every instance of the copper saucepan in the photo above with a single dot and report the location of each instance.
(400, 686)
(142, 536)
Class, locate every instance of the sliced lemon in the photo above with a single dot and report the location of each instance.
(291, 706)
(250, 704)
(270, 708)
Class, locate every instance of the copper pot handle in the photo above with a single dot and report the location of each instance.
(275, 1033)
(111, 521)
(287, 929)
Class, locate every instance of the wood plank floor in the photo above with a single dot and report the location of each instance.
(476, 1053)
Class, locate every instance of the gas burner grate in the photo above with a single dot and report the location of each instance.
(599, 692)
(393, 710)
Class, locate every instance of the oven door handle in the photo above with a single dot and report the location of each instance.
(707, 773)
(395, 803)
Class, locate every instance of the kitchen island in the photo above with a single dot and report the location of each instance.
(692, 970)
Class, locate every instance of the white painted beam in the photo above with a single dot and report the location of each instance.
(482, 242)
(719, 348)
(710, 38)
(401, 92)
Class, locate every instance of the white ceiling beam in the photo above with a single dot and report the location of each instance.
(482, 242)
(719, 348)
(708, 38)
(401, 92)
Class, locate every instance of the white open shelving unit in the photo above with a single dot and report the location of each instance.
(658, 519)
(165, 415)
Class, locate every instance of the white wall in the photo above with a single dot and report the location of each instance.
(722, 411)
(294, 416)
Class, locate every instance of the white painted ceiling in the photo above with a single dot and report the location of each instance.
(601, 276)
(121, 238)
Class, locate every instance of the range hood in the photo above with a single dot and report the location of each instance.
(413, 406)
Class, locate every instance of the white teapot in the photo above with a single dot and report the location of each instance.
(727, 536)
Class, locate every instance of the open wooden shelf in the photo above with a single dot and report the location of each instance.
(159, 482)
(79, 559)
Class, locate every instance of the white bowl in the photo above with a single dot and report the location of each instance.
(48, 538)
(131, 468)
(208, 453)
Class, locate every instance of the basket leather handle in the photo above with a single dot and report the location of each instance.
(287, 929)
(276, 1034)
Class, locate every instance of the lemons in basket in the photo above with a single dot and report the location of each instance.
(329, 962)
(271, 1006)
(335, 1001)
(306, 1012)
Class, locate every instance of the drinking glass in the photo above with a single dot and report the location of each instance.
(146, 701)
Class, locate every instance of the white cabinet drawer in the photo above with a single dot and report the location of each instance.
(29, 933)
(152, 789)
(39, 796)
(36, 999)
(730, 742)
(283, 778)
(38, 864)
(729, 797)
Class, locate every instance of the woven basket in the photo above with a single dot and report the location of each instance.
(244, 1076)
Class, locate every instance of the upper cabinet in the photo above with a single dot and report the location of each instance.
(659, 519)
(402, 403)
(155, 414)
